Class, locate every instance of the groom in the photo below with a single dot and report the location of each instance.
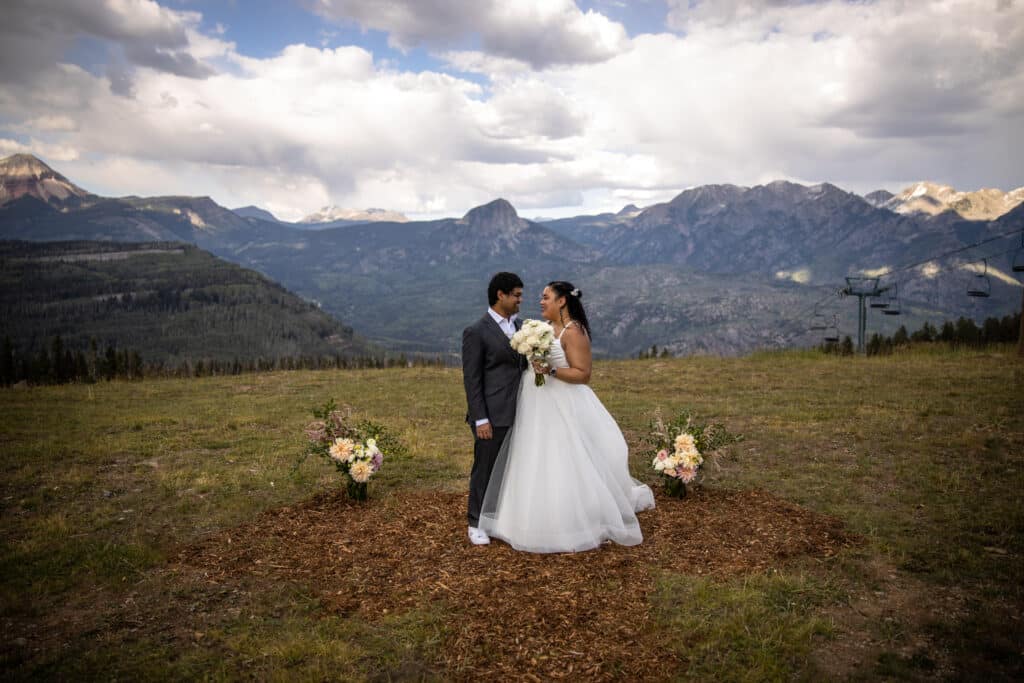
(490, 372)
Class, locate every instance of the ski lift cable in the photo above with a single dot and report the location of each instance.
(803, 313)
(940, 257)
(951, 267)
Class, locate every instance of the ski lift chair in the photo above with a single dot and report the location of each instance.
(878, 302)
(981, 286)
(832, 333)
(893, 300)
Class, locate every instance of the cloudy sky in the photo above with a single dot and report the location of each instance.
(431, 107)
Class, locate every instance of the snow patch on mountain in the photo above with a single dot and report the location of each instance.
(932, 199)
(337, 213)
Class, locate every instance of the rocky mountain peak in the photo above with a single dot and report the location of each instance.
(878, 198)
(705, 194)
(26, 174)
(496, 215)
(934, 198)
(251, 211)
(24, 165)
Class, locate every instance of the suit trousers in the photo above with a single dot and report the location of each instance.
(485, 453)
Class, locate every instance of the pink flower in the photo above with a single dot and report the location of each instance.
(316, 431)
(662, 454)
(687, 474)
(377, 460)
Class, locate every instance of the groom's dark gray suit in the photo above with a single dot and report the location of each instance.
(491, 369)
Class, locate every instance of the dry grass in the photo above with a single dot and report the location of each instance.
(118, 500)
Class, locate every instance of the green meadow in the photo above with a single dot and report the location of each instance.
(920, 455)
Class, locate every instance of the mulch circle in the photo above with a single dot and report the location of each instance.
(513, 614)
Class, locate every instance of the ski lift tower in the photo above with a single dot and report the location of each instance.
(862, 288)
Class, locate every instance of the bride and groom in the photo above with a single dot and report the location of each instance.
(550, 465)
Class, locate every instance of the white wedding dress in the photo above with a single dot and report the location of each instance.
(561, 482)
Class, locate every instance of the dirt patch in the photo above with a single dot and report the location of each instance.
(512, 614)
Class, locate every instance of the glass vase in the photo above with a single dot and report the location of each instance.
(356, 490)
(675, 488)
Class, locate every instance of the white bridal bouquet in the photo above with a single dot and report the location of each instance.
(534, 340)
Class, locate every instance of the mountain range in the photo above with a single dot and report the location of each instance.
(718, 269)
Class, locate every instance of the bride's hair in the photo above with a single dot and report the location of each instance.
(572, 302)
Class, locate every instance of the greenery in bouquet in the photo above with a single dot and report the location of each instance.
(356, 448)
(681, 446)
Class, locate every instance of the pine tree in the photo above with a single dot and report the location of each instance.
(43, 369)
(136, 364)
(874, 345)
(900, 338)
(57, 371)
(7, 377)
(93, 360)
(110, 363)
(81, 367)
(967, 332)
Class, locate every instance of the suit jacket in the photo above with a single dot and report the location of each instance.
(491, 369)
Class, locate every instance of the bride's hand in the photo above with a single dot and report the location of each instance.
(539, 367)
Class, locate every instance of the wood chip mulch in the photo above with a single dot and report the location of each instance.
(513, 614)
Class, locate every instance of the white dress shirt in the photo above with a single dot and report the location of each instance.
(507, 325)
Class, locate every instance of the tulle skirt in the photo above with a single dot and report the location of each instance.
(561, 482)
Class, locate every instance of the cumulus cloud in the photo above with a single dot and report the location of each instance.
(891, 69)
(865, 95)
(35, 34)
(540, 33)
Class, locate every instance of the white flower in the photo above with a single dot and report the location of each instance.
(360, 471)
(692, 459)
(342, 449)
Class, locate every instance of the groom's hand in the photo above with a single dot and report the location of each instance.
(484, 431)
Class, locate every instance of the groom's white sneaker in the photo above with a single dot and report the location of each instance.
(478, 536)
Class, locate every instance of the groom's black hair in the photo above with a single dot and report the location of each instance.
(502, 282)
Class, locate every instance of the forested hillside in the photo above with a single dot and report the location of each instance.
(170, 301)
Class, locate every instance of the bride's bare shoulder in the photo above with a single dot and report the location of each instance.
(575, 331)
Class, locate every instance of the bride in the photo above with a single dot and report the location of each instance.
(561, 482)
